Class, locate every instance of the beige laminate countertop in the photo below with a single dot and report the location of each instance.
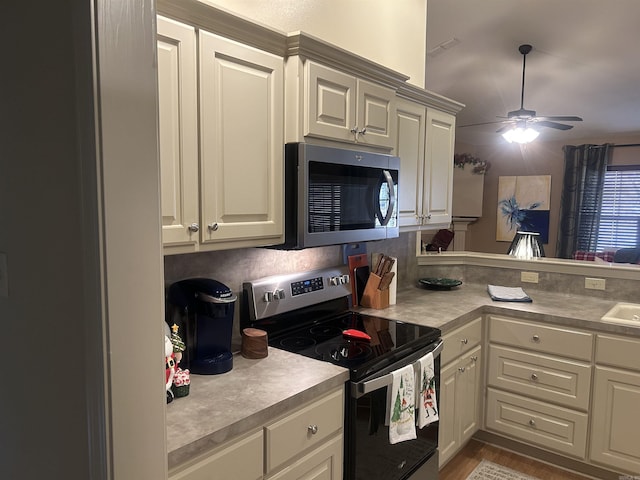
(448, 309)
(220, 407)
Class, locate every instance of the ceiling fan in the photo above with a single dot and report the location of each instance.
(523, 118)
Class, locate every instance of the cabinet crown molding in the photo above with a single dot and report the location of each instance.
(215, 19)
(309, 47)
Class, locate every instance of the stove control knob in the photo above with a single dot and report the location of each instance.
(334, 281)
(279, 294)
(344, 279)
(268, 297)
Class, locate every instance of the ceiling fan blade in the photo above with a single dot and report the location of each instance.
(481, 123)
(505, 128)
(557, 126)
(567, 118)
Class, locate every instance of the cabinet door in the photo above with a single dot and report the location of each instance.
(178, 132)
(615, 423)
(460, 403)
(410, 130)
(330, 103)
(242, 143)
(293, 434)
(448, 437)
(376, 107)
(242, 460)
(438, 169)
(323, 463)
(468, 397)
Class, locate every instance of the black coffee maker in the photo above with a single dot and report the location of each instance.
(203, 310)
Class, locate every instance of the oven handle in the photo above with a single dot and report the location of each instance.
(362, 388)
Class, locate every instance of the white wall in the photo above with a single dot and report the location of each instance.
(392, 33)
(79, 223)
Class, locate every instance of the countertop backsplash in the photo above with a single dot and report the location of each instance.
(232, 267)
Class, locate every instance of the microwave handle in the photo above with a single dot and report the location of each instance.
(392, 198)
(362, 388)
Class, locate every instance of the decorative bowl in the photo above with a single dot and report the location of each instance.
(439, 283)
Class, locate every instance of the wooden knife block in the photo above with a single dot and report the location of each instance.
(372, 297)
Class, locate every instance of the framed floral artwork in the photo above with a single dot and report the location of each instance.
(523, 204)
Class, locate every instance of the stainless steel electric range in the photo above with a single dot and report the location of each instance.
(309, 313)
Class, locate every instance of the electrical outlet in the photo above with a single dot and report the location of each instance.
(530, 277)
(594, 283)
(4, 276)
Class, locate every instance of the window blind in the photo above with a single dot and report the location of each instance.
(620, 211)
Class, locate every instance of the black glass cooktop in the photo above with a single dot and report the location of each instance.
(362, 343)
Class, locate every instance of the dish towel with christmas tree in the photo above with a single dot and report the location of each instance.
(427, 402)
(402, 420)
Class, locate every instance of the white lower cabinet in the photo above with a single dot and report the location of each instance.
(615, 424)
(240, 459)
(305, 444)
(546, 425)
(301, 431)
(539, 379)
(460, 389)
(323, 463)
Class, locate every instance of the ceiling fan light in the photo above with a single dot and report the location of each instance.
(520, 135)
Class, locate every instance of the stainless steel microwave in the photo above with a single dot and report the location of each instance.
(336, 195)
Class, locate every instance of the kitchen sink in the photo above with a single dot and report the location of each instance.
(625, 313)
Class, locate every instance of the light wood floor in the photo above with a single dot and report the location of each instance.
(460, 466)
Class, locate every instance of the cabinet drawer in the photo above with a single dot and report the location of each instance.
(538, 423)
(461, 340)
(293, 434)
(546, 378)
(541, 338)
(322, 463)
(618, 351)
(242, 461)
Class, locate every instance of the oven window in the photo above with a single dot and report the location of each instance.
(371, 455)
(346, 197)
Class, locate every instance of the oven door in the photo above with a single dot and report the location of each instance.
(368, 453)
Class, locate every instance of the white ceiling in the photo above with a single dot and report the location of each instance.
(585, 62)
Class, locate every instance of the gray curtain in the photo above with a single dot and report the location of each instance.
(584, 169)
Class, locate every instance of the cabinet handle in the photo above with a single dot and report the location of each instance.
(532, 422)
(313, 429)
(464, 341)
(212, 227)
(357, 132)
(534, 377)
(194, 227)
(461, 369)
(536, 338)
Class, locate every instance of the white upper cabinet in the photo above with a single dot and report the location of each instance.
(425, 140)
(241, 139)
(437, 196)
(340, 106)
(178, 132)
(228, 193)
(410, 132)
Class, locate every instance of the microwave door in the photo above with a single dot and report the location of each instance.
(386, 201)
